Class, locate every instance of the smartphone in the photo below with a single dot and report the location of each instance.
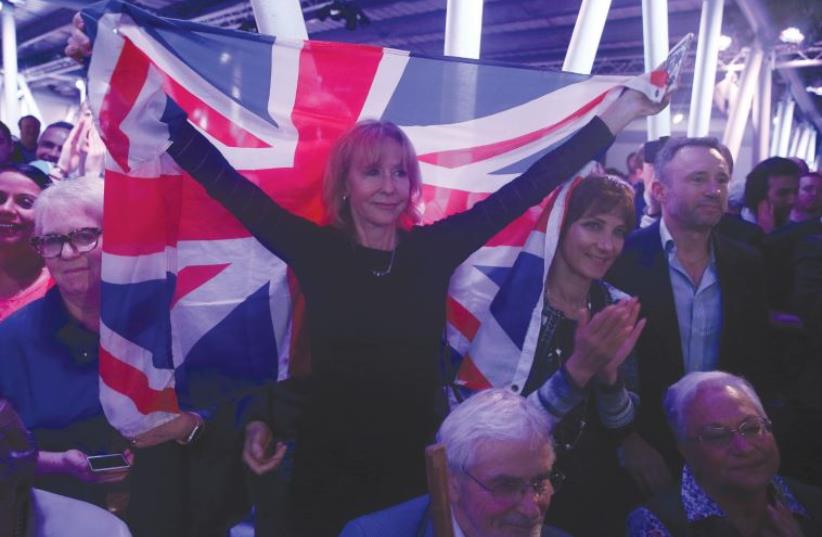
(105, 463)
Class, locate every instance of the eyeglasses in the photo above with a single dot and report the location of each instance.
(82, 240)
(512, 491)
(721, 437)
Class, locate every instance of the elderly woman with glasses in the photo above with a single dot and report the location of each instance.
(729, 486)
(49, 366)
(23, 276)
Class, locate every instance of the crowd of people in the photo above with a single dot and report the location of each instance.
(678, 354)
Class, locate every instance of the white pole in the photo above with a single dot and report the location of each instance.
(785, 128)
(655, 41)
(796, 134)
(738, 118)
(777, 129)
(763, 110)
(30, 105)
(804, 140)
(463, 28)
(811, 156)
(10, 65)
(707, 55)
(280, 18)
(585, 40)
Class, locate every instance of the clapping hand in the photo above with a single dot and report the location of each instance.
(602, 343)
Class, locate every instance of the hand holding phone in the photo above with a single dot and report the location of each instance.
(75, 463)
(108, 463)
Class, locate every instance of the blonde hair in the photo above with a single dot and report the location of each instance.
(367, 138)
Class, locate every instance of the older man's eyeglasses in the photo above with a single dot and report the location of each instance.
(512, 491)
(82, 240)
(721, 437)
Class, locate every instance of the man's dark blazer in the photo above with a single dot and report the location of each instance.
(781, 254)
(642, 270)
(409, 519)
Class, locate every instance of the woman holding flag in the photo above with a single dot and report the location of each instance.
(375, 291)
(375, 287)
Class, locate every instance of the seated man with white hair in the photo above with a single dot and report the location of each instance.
(729, 483)
(500, 480)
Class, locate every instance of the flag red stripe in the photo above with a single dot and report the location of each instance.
(141, 215)
(470, 376)
(192, 277)
(127, 80)
(461, 157)
(131, 382)
(209, 119)
(462, 319)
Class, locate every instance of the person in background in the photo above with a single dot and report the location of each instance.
(7, 153)
(770, 193)
(26, 147)
(809, 199)
(500, 477)
(51, 141)
(702, 293)
(729, 485)
(651, 211)
(23, 276)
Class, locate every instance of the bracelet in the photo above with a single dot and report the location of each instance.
(196, 432)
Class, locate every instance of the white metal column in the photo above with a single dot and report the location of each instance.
(811, 156)
(738, 118)
(9, 65)
(796, 134)
(761, 145)
(463, 28)
(804, 140)
(707, 54)
(776, 131)
(582, 49)
(280, 18)
(785, 127)
(655, 41)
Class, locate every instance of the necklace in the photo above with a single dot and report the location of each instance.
(557, 304)
(387, 270)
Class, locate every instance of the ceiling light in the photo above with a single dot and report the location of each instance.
(724, 42)
(678, 118)
(791, 35)
(816, 90)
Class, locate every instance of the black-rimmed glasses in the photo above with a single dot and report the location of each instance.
(722, 437)
(512, 491)
(82, 240)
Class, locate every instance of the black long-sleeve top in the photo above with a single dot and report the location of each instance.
(375, 341)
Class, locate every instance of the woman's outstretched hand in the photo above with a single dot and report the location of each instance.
(78, 46)
(631, 105)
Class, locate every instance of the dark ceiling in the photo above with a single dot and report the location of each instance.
(530, 32)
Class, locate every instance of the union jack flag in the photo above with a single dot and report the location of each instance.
(187, 291)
